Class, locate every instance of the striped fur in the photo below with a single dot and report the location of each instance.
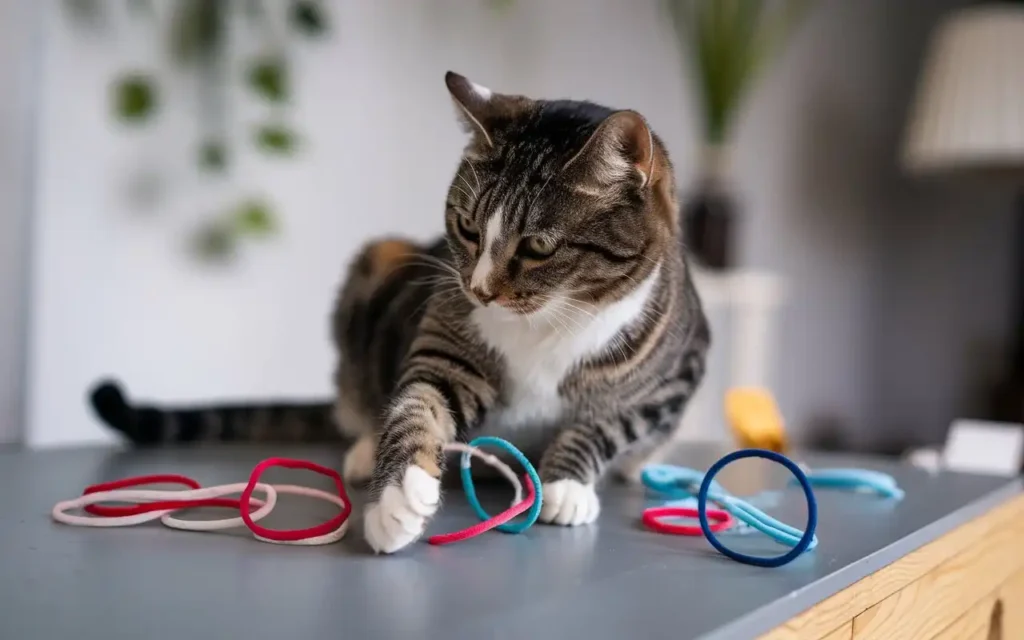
(557, 312)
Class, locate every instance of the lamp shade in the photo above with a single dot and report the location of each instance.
(969, 108)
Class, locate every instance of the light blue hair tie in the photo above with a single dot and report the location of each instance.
(467, 484)
(860, 480)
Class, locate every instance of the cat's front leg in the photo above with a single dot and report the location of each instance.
(578, 458)
(570, 469)
(441, 398)
(405, 486)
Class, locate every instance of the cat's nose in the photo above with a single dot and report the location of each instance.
(485, 297)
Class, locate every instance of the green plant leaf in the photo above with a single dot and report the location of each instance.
(729, 42)
(197, 29)
(254, 218)
(269, 78)
(215, 241)
(308, 17)
(213, 156)
(134, 97)
(276, 139)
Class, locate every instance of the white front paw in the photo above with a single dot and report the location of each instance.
(402, 512)
(568, 502)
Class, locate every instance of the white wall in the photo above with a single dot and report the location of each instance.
(824, 203)
(17, 43)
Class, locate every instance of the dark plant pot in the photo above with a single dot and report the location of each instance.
(709, 222)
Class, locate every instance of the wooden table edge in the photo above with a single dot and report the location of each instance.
(833, 617)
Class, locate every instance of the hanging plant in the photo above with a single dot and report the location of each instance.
(196, 34)
(728, 43)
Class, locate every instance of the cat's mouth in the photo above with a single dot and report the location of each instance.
(524, 307)
(517, 304)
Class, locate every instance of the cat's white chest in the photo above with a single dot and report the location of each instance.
(537, 359)
(542, 350)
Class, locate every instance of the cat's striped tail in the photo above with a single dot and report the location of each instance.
(152, 425)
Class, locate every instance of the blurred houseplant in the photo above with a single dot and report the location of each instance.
(196, 32)
(728, 43)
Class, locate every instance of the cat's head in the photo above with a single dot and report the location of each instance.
(556, 200)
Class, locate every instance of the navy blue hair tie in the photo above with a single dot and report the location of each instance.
(812, 509)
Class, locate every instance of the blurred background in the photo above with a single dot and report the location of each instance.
(183, 181)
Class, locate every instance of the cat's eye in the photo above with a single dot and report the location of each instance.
(537, 247)
(468, 228)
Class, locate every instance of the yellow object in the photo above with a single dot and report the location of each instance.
(755, 419)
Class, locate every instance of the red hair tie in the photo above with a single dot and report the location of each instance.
(296, 535)
(490, 523)
(652, 519)
(139, 481)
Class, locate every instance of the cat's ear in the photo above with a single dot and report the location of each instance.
(622, 147)
(481, 110)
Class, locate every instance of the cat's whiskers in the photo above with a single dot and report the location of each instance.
(422, 260)
(476, 194)
(571, 305)
(564, 317)
(435, 280)
(462, 191)
(448, 293)
(561, 321)
(618, 342)
(476, 176)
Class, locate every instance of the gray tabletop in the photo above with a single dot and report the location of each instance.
(610, 580)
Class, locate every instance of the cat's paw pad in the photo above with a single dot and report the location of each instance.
(568, 502)
(401, 514)
(359, 461)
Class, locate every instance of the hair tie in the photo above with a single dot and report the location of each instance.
(60, 510)
(858, 480)
(652, 519)
(324, 533)
(756, 518)
(531, 504)
(519, 505)
(114, 511)
(467, 484)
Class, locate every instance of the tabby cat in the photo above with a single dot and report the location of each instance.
(558, 312)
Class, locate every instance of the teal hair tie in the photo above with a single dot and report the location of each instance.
(467, 484)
